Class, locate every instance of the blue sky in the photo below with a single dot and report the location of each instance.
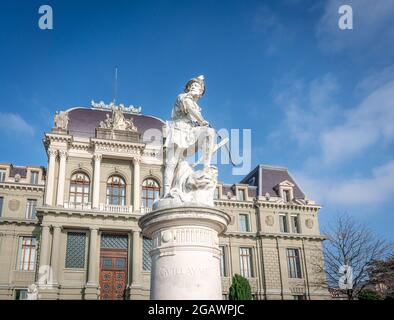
(318, 100)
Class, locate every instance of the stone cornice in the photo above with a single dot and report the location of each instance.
(234, 203)
(291, 206)
(58, 211)
(22, 186)
(260, 234)
(18, 221)
(76, 145)
(117, 147)
(58, 137)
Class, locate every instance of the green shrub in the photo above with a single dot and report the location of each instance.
(240, 288)
(369, 295)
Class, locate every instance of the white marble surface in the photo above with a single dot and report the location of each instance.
(185, 253)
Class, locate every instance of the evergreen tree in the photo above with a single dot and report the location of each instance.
(240, 288)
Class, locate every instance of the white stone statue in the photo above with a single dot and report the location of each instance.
(107, 123)
(61, 120)
(187, 133)
(32, 292)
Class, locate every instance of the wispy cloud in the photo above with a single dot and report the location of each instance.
(308, 109)
(372, 22)
(367, 124)
(376, 188)
(13, 123)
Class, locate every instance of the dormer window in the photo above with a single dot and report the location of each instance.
(285, 190)
(241, 195)
(34, 177)
(286, 195)
(2, 175)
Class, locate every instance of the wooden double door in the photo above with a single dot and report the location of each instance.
(113, 274)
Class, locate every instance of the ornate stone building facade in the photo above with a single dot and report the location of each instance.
(73, 229)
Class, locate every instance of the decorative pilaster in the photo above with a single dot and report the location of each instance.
(96, 180)
(92, 272)
(44, 251)
(55, 254)
(51, 176)
(137, 256)
(62, 175)
(137, 188)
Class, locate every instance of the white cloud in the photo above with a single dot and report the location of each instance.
(308, 109)
(367, 124)
(375, 189)
(15, 124)
(373, 30)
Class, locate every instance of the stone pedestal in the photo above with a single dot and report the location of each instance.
(185, 252)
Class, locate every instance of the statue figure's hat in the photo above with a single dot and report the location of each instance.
(199, 79)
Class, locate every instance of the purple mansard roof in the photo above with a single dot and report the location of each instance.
(83, 121)
(267, 177)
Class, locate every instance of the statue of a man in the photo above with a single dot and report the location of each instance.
(187, 132)
(61, 120)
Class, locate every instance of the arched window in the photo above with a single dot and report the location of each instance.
(116, 191)
(79, 188)
(150, 192)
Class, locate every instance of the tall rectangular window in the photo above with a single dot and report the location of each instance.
(75, 252)
(294, 263)
(286, 196)
(223, 271)
(146, 259)
(2, 175)
(216, 195)
(244, 223)
(241, 195)
(31, 209)
(245, 261)
(283, 223)
(1, 206)
(295, 225)
(34, 177)
(26, 253)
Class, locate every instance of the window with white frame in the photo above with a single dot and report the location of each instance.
(223, 271)
(27, 253)
(79, 188)
(294, 263)
(295, 223)
(241, 195)
(116, 190)
(284, 227)
(286, 196)
(245, 261)
(31, 208)
(244, 223)
(150, 192)
(34, 177)
(3, 173)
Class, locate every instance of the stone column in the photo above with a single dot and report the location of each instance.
(185, 252)
(44, 251)
(137, 187)
(51, 176)
(96, 180)
(137, 258)
(55, 255)
(92, 272)
(61, 179)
